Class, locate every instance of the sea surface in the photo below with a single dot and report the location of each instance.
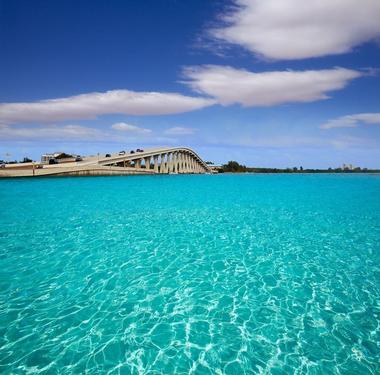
(226, 274)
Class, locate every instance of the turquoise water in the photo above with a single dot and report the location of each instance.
(228, 274)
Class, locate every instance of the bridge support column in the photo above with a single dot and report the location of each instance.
(174, 159)
(180, 165)
(162, 163)
(147, 162)
(175, 162)
(183, 163)
(187, 160)
(179, 162)
(171, 169)
(138, 163)
(155, 159)
(183, 166)
(169, 162)
(166, 163)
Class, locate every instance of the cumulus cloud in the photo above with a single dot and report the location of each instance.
(297, 29)
(229, 85)
(352, 121)
(91, 105)
(122, 126)
(178, 130)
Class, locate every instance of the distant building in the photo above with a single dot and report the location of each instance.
(58, 157)
(215, 168)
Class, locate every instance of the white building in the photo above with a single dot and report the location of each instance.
(58, 157)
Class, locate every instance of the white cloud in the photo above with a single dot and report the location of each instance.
(178, 130)
(283, 141)
(352, 121)
(229, 85)
(122, 126)
(91, 105)
(297, 29)
(74, 132)
(77, 133)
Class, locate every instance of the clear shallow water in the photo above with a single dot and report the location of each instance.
(275, 274)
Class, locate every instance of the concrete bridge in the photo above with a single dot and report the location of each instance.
(162, 160)
(167, 160)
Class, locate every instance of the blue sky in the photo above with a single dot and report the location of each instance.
(265, 82)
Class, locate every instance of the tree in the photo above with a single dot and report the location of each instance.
(233, 166)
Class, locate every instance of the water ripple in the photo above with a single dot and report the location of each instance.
(190, 275)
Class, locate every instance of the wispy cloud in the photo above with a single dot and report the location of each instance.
(179, 130)
(352, 121)
(229, 85)
(124, 127)
(298, 29)
(91, 105)
(67, 132)
(293, 142)
(83, 134)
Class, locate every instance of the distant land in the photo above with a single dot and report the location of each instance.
(231, 167)
(235, 167)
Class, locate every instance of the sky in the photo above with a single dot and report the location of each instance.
(269, 83)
